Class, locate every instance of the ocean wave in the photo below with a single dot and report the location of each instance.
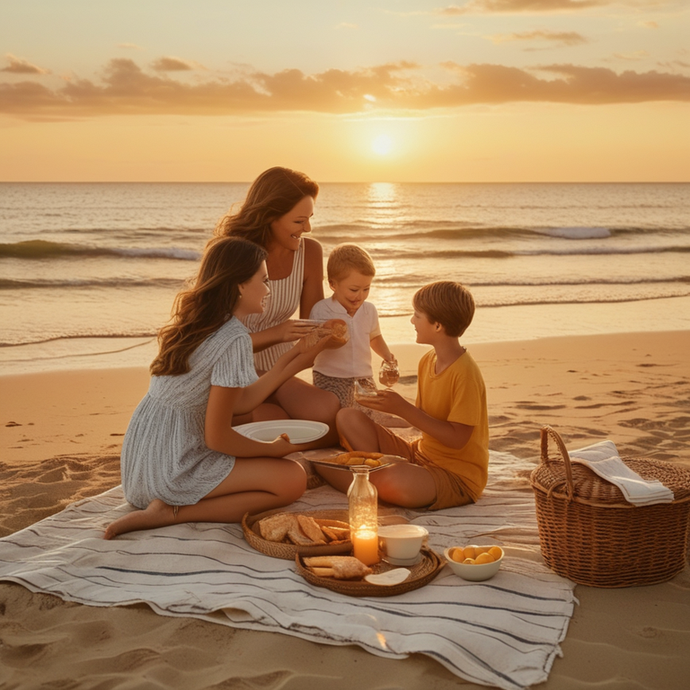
(504, 254)
(537, 302)
(82, 336)
(45, 249)
(414, 280)
(450, 230)
(88, 283)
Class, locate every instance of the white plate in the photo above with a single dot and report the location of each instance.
(299, 430)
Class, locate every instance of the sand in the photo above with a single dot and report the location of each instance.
(60, 435)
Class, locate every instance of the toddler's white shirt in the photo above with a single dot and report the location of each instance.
(354, 358)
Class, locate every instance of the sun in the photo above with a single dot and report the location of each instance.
(382, 145)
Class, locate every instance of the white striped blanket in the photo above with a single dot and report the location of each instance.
(504, 632)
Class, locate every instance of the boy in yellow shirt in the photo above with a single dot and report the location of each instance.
(448, 466)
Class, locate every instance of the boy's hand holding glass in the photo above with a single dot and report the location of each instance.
(383, 400)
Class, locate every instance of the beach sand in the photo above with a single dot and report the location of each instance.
(60, 435)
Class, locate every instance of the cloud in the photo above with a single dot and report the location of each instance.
(518, 6)
(129, 46)
(126, 89)
(632, 57)
(19, 66)
(567, 38)
(172, 64)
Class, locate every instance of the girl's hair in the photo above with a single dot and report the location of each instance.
(208, 302)
(446, 302)
(346, 258)
(273, 194)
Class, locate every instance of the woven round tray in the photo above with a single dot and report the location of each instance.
(420, 574)
(590, 534)
(250, 528)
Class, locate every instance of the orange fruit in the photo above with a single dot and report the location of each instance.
(484, 558)
(496, 552)
(468, 561)
(480, 549)
(470, 551)
(457, 554)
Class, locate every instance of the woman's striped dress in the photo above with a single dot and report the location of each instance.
(282, 303)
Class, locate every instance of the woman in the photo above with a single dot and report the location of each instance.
(276, 214)
(181, 459)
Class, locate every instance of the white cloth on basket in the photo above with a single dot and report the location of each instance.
(603, 459)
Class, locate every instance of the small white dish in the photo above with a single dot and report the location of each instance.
(390, 577)
(298, 430)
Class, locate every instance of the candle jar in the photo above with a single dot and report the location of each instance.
(363, 508)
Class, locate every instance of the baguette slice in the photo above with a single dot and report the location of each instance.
(311, 529)
(276, 527)
(343, 567)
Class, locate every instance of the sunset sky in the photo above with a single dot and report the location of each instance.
(346, 90)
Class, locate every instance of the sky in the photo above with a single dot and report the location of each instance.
(345, 90)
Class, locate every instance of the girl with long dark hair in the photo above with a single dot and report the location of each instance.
(181, 459)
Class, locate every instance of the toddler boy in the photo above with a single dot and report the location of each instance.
(350, 272)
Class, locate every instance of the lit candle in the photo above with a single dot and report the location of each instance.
(366, 546)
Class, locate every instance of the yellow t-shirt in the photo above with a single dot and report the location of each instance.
(457, 394)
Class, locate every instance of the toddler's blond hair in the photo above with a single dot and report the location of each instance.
(346, 258)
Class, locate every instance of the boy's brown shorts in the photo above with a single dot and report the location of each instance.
(450, 489)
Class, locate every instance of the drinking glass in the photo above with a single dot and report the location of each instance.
(364, 389)
(389, 373)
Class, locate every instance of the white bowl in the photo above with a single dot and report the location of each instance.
(401, 544)
(298, 430)
(473, 571)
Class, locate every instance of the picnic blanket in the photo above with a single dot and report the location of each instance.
(504, 632)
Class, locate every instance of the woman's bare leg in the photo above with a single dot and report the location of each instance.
(264, 412)
(253, 486)
(301, 400)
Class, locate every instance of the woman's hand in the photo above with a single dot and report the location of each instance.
(282, 446)
(288, 331)
(309, 347)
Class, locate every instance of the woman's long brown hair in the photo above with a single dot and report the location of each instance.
(273, 194)
(207, 303)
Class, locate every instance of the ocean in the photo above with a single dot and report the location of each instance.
(88, 271)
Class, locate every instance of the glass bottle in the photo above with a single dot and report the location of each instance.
(363, 508)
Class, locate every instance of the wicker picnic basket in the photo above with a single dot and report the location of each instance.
(590, 534)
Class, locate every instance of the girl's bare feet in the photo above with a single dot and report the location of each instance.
(157, 514)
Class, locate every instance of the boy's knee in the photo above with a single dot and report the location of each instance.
(347, 416)
(399, 488)
(295, 480)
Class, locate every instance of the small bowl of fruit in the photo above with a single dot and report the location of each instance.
(475, 563)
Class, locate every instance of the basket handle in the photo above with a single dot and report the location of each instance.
(547, 431)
